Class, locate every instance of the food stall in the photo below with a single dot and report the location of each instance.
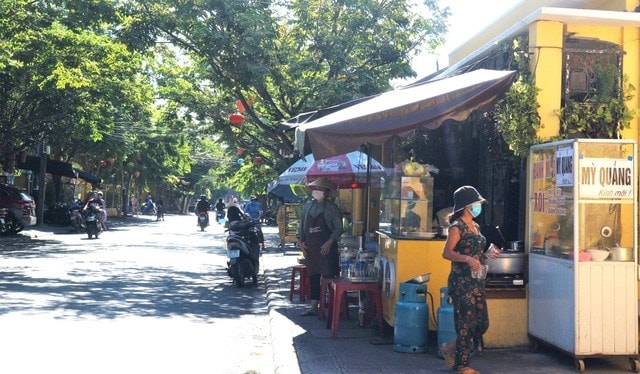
(408, 245)
(582, 239)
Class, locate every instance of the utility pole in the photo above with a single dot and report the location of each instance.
(42, 173)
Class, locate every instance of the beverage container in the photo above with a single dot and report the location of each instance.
(480, 273)
(493, 250)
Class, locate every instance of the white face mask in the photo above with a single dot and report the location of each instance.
(317, 195)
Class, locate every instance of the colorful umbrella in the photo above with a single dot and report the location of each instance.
(345, 171)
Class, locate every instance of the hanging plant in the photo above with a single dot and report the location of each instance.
(517, 118)
(601, 117)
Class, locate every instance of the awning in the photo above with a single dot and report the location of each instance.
(401, 111)
(53, 167)
(88, 177)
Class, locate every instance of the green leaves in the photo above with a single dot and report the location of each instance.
(517, 117)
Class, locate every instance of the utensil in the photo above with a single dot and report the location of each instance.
(621, 254)
(501, 236)
(598, 254)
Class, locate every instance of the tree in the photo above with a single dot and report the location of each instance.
(279, 61)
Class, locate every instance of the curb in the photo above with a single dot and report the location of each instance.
(285, 358)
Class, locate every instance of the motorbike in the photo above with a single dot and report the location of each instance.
(92, 221)
(149, 209)
(75, 218)
(9, 224)
(220, 216)
(203, 220)
(243, 252)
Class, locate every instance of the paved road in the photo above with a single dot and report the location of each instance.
(146, 297)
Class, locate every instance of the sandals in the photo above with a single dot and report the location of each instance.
(448, 351)
(467, 370)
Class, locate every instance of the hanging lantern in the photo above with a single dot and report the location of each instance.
(236, 119)
(240, 151)
(240, 161)
(240, 106)
(103, 164)
(138, 158)
(111, 159)
(136, 174)
(257, 160)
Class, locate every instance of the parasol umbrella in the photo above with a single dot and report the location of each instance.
(345, 171)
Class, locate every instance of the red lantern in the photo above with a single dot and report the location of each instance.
(103, 164)
(236, 119)
(257, 160)
(240, 151)
(138, 158)
(111, 159)
(136, 174)
(240, 106)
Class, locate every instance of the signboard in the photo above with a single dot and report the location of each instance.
(606, 178)
(564, 167)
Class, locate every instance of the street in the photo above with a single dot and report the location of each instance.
(146, 297)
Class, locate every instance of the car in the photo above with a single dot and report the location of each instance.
(17, 209)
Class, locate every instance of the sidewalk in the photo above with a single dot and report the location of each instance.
(304, 345)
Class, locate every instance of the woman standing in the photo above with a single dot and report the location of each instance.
(465, 249)
(318, 236)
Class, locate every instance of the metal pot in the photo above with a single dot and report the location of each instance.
(620, 254)
(517, 246)
(443, 231)
(508, 263)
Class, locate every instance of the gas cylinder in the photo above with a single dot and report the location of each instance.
(411, 319)
(446, 328)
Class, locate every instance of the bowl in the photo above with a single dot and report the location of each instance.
(598, 254)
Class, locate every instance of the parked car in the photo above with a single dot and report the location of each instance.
(17, 209)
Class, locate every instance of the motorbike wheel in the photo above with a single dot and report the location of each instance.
(255, 279)
(89, 231)
(239, 278)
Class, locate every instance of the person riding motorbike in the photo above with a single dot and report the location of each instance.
(96, 200)
(220, 206)
(203, 206)
(254, 212)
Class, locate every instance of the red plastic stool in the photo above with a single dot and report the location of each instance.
(338, 297)
(300, 272)
(325, 296)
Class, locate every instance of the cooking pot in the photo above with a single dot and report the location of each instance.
(517, 246)
(508, 263)
(443, 231)
(620, 254)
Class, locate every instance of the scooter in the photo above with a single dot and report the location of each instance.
(92, 221)
(203, 220)
(220, 216)
(243, 252)
(8, 223)
(75, 217)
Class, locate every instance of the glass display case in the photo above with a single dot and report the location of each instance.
(581, 236)
(406, 206)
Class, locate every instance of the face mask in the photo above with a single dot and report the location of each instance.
(476, 209)
(317, 195)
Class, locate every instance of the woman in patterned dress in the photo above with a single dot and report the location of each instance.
(465, 249)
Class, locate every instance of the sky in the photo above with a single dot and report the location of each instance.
(467, 19)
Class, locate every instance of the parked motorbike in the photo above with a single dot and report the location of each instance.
(243, 252)
(9, 224)
(92, 221)
(203, 220)
(75, 217)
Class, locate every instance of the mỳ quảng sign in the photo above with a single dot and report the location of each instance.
(606, 178)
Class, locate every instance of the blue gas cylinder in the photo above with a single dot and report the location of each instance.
(411, 319)
(446, 328)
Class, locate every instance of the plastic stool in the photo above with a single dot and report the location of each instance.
(325, 296)
(338, 297)
(300, 272)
